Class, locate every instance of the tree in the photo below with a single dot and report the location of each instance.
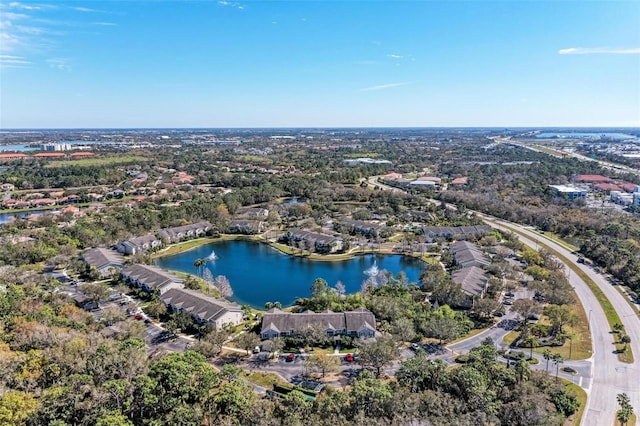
(223, 285)
(16, 407)
(403, 328)
(484, 307)
(248, 341)
(97, 292)
(559, 315)
(626, 410)
(547, 355)
(531, 341)
(319, 287)
(200, 264)
(626, 340)
(526, 308)
(378, 354)
(442, 328)
(211, 344)
(323, 362)
(522, 370)
(340, 288)
(557, 360)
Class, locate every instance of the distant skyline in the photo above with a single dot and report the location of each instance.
(279, 64)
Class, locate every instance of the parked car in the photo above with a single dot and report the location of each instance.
(138, 316)
(415, 346)
(256, 350)
(508, 302)
(349, 358)
(290, 357)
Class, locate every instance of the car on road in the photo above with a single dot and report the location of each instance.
(138, 316)
(349, 358)
(569, 370)
(290, 357)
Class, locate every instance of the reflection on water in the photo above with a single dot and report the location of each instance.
(260, 274)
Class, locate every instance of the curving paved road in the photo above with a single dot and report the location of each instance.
(609, 376)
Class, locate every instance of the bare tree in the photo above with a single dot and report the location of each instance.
(223, 285)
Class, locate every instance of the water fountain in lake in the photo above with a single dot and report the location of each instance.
(373, 271)
(212, 256)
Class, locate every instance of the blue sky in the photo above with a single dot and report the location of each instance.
(325, 64)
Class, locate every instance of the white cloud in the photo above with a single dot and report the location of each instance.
(62, 64)
(231, 4)
(384, 86)
(11, 61)
(16, 5)
(105, 24)
(84, 9)
(394, 56)
(599, 50)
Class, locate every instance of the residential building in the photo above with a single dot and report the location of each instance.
(468, 254)
(254, 213)
(247, 226)
(356, 323)
(636, 197)
(473, 280)
(138, 245)
(321, 243)
(186, 232)
(105, 262)
(151, 278)
(351, 226)
(203, 308)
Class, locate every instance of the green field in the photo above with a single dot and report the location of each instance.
(99, 161)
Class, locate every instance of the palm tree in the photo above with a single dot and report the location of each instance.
(557, 360)
(626, 410)
(547, 355)
(199, 264)
(626, 340)
(531, 340)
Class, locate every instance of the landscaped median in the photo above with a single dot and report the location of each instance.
(607, 307)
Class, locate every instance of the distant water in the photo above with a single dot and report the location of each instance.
(36, 147)
(260, 274)
(578, 135)
(7, 217)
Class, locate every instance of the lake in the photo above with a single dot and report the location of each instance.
(260, 274)
(7, 217)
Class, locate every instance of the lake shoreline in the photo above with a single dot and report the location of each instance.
(186, 246)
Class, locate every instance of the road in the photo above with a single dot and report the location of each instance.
(609, 376)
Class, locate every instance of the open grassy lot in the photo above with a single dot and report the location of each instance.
(266, 380)
(100, 161)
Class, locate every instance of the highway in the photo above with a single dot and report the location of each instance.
(609, 376)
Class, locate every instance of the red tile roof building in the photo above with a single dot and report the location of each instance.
(593, 178)
(460, 181)
(607, 187)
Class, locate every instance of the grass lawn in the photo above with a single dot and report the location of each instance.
(266, 380)
(581, 395)
(579, 348)
(100, 161)
(607, 307)
(472, 333)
